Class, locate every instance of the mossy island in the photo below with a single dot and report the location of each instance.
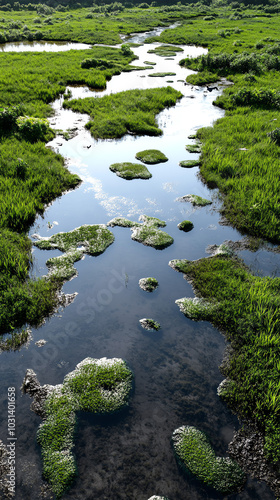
(130, 171)
(151, 156)
(195, 200)
(197, 309)
(147, 233)
(101, 386)
(148, 284)
(166, 50)
(149, 324)
(193, 148)
(185, 225)
(162, 74)
(156, 497)
(190, 163)
(196, 455)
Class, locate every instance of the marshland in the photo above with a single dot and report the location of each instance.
(71, 233)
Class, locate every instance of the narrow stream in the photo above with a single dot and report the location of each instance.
(129, 456)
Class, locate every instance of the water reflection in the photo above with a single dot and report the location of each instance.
(42, 46)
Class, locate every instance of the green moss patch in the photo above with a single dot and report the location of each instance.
(148, 284)
(162, 74)
(197, 309)
(185, 225)
(202, 78)
(131, 111)
(93, 239)
(131, 171)
(151, 156)
(63, 266)
(195, 200)
(196, 455)
(190, 163)
(165, 50)
(147, 232)
(149, 324)
(101, 386)
(150, 63)
(193, 148)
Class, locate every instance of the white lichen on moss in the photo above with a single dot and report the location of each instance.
(148, 284)
(195, 200)
(147, 232)
(149, 324)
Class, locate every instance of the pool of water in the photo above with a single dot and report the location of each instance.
(176, 369)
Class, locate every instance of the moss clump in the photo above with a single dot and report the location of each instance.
(151, 156)
(130, 171)
(197, 309)
(195, 454)
(100, 386)
(195, 200)
(165, 50)
(148, 284)
(149, 234)
(189, 163)
(62, 267)
(162, 74)
(185, 225)
(193, 148)
(121, 221)
(93, 239)
(150, 63)
(149, 324)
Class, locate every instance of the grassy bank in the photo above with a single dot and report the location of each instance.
(246, 309)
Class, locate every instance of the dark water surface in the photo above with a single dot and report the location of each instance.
(129, 456)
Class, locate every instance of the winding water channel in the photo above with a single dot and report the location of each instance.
(129, 457)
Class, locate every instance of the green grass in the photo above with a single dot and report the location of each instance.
(246, 309)
(131, 111)
(151, 156)
(130, 171)
(196, 455)
(99, 386)
(202, 78)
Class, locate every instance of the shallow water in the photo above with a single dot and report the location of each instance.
(129, 456)
(42, 46)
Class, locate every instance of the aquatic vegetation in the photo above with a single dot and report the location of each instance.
(94, 239)
(165, 50)
(250, 321)
(151, 156)
(130, 171)
(193, 148)
(147, 232)
(100, 386)
(202, 78)
(149, 324)
(185, 225)
(34, 129)
(132, 111)
(156, 497)
(162, 74)
(62, 267)
(195, 200)
(190, 163)
(195, 454)
(148, 284)
(197, 309)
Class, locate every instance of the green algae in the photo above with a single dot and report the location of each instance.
(101, 386)
(185, 225)
(94, 239)
(130, 171)
(149, 324)
(148, 284)
(196, 455)
(151, 156)
(195, 200)
(193, 148)
(190, 163)
(147, 233)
